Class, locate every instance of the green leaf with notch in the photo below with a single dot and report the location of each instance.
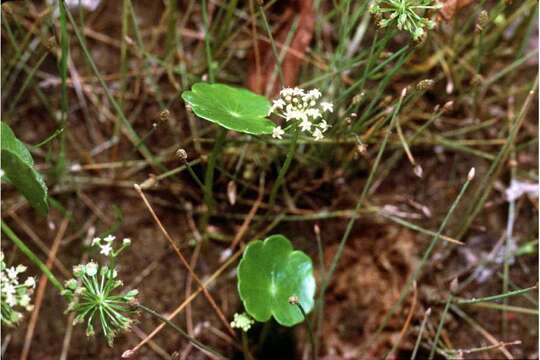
(18, 167)
(269, 273)
(230, 107)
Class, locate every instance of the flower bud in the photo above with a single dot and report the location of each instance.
(181, 154)
(293, 300)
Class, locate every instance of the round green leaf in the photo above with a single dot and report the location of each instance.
(18, 165)
(233, 108)
(269, 273)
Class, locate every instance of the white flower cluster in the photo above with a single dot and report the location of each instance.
(105, 245)
(307, 108)
(13, 293)
(242, 322)
(408, 15)
(94, 297)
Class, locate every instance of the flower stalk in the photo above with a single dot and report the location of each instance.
(283, 170)
(293, 300)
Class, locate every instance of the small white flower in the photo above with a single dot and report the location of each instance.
(289, 114)
(306, 125)
(126, 242)
(295, 115)
(323, 125)
(109, 238)
(298, 91)
(12, 272)
(326, 106)
(91, 268)
(317, 134)
(30, 282)
(286, 92)
(277, 132)
(8, 289)
(277, 104)
(106, 250)
(11, 300)
(21, 268)
(314, 113)
(314, 93)
(96, 241)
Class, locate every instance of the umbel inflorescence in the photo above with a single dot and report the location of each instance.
(94, 296)
(302, 109)
(15, 296)
(407, 15)
(242, 321)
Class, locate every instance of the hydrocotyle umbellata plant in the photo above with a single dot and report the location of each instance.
(244, 111)
(274, 280)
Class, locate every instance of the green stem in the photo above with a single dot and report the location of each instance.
(63, 72)
(273, 43)
(319, 319)
(507, 308)
(495, 297)
(191, 339)
(50, 137)
(207, 42)
(209, 177)
(309, 330)
(439, 328)
(31, 256)
(283, 170)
